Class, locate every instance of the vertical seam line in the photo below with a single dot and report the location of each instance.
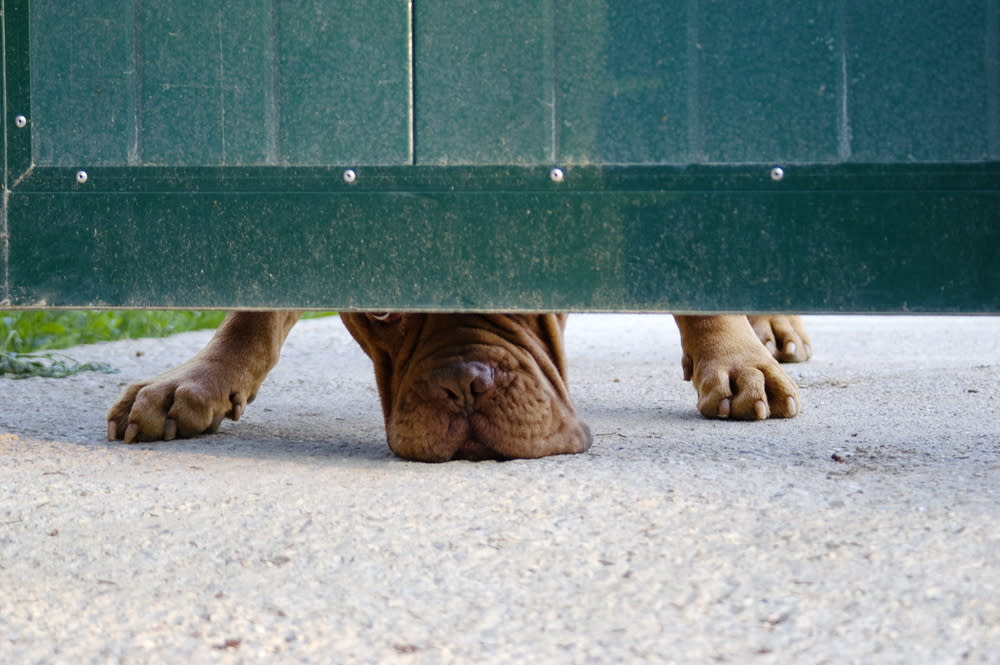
(411, 112)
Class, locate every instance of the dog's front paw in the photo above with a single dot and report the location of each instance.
(734, 374)
(217, 383)
(187, 401)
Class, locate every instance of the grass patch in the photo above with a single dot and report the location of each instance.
(23, 334)
(28, 331)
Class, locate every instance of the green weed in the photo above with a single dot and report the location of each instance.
(27, 331)
(50, 365)
(24, 333)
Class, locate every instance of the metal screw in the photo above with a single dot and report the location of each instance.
(350, 176)
(557, 175)
(21, 121)
(777, 173)
(81, 177)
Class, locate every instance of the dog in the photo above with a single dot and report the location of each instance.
(465, 386)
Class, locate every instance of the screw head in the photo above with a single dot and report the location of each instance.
(777, 173)
(21, 121)
(557, 175)
(81, 177)
(350, 176)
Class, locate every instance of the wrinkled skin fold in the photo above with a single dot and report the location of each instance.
(472, 386)
(464, 386)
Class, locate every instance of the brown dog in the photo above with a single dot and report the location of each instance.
(464, 386)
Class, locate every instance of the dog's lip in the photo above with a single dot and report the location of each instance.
(474, 450)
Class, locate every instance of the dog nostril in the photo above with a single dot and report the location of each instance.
(462, 383)
(481, 384)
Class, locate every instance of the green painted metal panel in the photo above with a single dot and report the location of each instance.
(17, 102)
(623, 73)
(220, 82)
(84, 103)
(214, 137)
(204, 81)
(483, 82)
(924, 80)
(343, 82)
(768, 81)
(823, 81)
(626, 238)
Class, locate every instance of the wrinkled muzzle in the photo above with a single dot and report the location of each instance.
(473, 387)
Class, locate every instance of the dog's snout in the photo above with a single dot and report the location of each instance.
(462, 383)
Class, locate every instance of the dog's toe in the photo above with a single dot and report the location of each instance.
(784, 337)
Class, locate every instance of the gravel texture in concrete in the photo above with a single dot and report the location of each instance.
(866, 530)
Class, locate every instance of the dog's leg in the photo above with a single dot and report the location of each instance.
(733, 372)
(784, 336)
(216, 383)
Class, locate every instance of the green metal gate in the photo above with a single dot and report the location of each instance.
(684, 155)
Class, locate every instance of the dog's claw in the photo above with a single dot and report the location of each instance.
(793, 408)
(112, 430)
(760, 410)
(170, 430)
(131, 432)
(724, 408)
(237, 413)
(216, 424)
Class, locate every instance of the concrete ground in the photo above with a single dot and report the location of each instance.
(867, 530)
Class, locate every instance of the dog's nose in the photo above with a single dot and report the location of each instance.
(462, 383)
